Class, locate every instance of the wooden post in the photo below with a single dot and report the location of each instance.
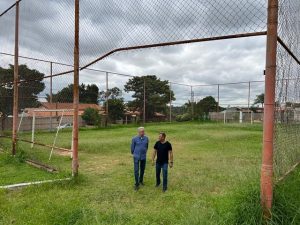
(16, 80)
(269, 110)
(75, 163)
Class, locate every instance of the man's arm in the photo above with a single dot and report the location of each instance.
(132, 146)
(171, 158)
(153, 156)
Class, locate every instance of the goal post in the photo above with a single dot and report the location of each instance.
(42, 114)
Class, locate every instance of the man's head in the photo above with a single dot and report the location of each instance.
(141, 131)
(162, 136)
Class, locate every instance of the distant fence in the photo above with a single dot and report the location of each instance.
(236, 117)
(41, 123)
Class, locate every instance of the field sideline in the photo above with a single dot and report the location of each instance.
(216, 166)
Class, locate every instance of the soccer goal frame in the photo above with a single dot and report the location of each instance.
(58, 128)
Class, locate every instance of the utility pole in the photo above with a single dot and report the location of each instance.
(218, 105)
(16, 82)
(106, 94)
(170, 103)
(192, 102)
(144, 113)
(51, 92)
(249, 93)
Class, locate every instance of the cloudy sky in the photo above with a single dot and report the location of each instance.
(46, 31)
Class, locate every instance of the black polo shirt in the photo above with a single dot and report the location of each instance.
(162, 151)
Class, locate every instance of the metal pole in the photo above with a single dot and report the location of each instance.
(249, 93)
(33, 130)
(75, 164)
(192, 102)
(144, 113)
(270, 82)
(106, 95)
(51, 92)
(218, 98)
(16, 79)
(170, 103)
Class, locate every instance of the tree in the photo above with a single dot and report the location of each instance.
(91, 116)
(87, 94)
(201, 108)
(116, 109)
(157, 94)
(260, 99)
(30, 86)
(112, 93)
(115, 102)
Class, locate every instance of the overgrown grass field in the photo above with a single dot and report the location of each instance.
(215, 180)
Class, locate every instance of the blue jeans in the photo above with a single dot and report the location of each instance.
(164, 168)
(139, 169)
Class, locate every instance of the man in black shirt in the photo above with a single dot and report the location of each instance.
(163, 151)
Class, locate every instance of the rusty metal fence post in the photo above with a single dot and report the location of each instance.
(269, 113)
(16, 81)
(75, 164)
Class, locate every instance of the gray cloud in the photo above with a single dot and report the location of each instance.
(47, 32)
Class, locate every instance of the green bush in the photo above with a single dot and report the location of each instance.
(183, 117)
(91, 116)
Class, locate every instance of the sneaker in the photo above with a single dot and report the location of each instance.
(157, 185)
(164, 189)
(142, 183)
(136, 187)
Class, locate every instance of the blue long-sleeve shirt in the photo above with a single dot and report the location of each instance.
(139, 147)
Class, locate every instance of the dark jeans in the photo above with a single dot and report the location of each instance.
(139, 166)
(164, 168)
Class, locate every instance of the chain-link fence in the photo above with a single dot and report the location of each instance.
(39, 66)
(287, 131)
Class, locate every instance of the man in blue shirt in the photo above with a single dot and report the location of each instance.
(139, 147)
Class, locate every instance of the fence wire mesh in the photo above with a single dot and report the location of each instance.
(123, 24)
(287, 130)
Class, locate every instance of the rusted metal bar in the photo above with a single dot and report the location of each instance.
(32, 80)
(269, 110)
(281, 42)
(75, 164)
(9, 8)
(64, 64)
(38, 143)
(16, 78)
(288, 172)
(233, 36)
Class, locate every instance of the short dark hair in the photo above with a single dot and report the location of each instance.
(163, 134)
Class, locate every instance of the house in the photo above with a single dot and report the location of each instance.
(59, 106)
